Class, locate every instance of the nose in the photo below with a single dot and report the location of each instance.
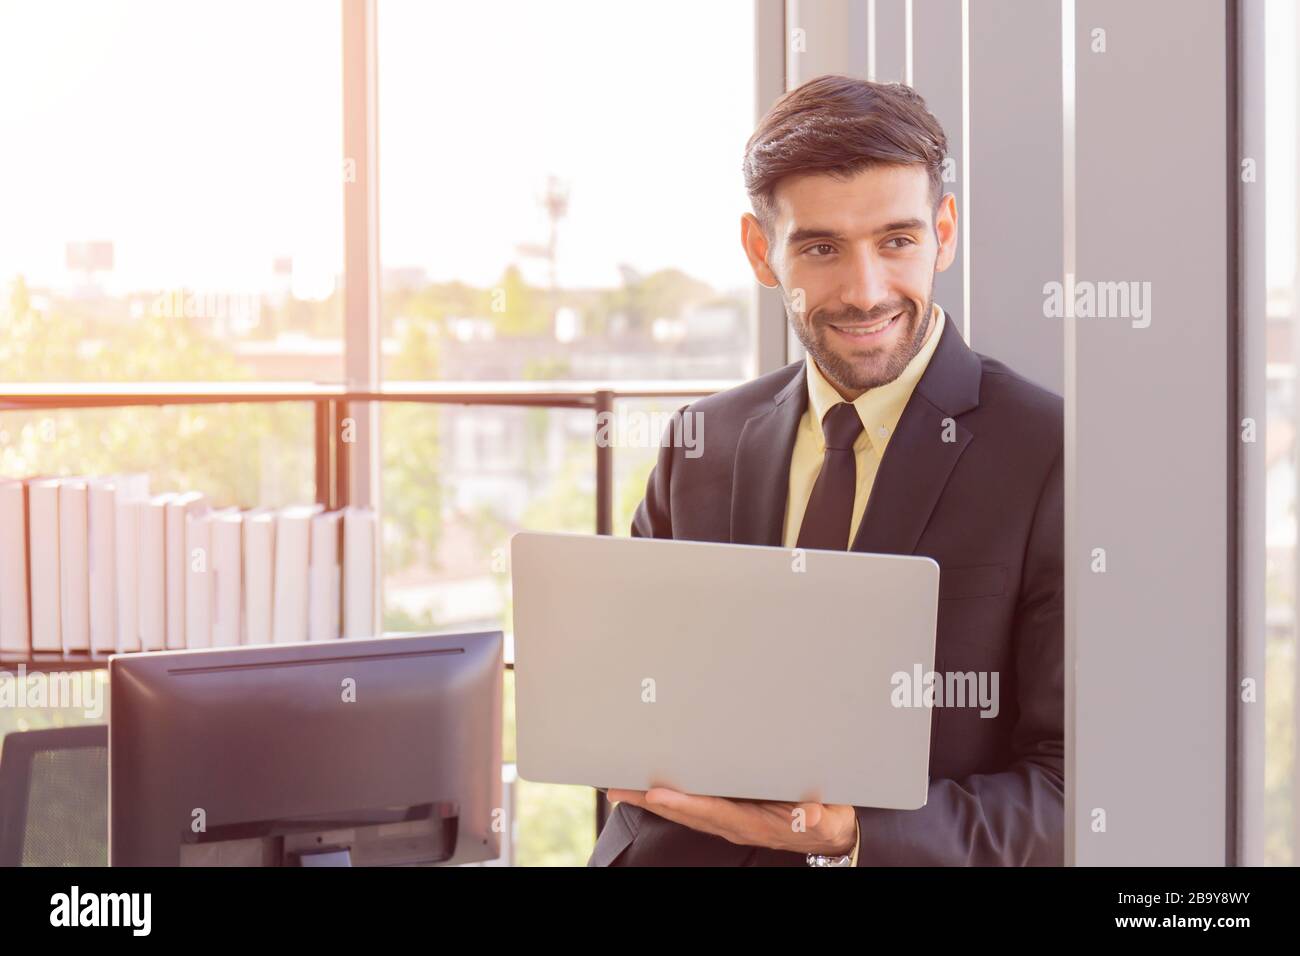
(865, 284)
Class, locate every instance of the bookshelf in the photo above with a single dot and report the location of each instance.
(332, 404)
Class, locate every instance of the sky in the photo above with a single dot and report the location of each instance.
(1280, 119)
(205, 139)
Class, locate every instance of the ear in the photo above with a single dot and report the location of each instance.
(945, 228)
(756, 249)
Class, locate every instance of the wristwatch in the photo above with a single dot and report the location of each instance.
(848, 859)
(818, 859)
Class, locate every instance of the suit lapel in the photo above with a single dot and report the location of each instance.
(761, 479)
(912, 475)
(918, 459)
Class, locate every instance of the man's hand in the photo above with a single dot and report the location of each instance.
(830, 829)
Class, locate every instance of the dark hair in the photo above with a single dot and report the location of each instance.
(841, 125)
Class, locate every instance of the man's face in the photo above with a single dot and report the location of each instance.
(855, 260)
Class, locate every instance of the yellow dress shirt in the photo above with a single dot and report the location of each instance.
(880, 409)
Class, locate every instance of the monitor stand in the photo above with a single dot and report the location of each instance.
(326, 858)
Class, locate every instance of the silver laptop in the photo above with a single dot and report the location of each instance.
(723, 669)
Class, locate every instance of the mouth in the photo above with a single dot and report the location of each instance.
(867, 330)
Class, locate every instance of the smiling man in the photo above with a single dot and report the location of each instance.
(890, 436)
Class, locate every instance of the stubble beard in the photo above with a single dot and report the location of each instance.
(854, 377)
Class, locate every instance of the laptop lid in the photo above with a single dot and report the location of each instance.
(723, 669)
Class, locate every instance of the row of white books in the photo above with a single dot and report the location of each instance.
(100, 565)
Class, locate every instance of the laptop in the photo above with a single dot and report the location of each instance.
(723, 669)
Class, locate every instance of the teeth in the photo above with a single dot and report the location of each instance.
(866, 329)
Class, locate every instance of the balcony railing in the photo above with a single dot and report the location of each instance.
(333, 405)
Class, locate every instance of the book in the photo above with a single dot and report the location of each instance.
(200, 581)
(101, 566)
(74, 565)
(43, 564)
(259, 574)
(227, 567)
(177, 562)
(15, 618)
(360, 564)
(292, 551)
(132, 491)
(153, 572)
(323, 581)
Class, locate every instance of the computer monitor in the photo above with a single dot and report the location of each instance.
(368, 752)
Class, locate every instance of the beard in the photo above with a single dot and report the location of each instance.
(857, 370)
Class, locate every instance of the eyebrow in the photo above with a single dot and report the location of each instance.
(803, 235)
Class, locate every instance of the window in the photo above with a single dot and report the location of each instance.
(170, 188)
(1283, 414)
(558, 201)
(561, 187)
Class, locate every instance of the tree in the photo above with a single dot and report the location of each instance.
(412, 497)
(517, 308)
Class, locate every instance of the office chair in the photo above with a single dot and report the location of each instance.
(54, 797)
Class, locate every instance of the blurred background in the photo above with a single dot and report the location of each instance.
(171, 210)
(551, 196)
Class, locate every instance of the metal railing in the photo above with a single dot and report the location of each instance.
(332, 404)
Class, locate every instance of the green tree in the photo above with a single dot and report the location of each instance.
(641, 299)
(412, 498)
(517, 308)
(267, 454)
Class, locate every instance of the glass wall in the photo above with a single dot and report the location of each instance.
(171, 184)
(559, 199)
(1282, 34)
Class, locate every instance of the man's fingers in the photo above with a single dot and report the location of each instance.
(671, 805)
(717, 812)
(634, 797)
(718, 815)
(692, 804)
(673, 799)
(813, 813)
(745, 822)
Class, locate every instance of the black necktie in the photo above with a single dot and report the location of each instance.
(829, 513)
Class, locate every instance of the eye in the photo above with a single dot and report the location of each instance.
(820, 245)
(906, 240)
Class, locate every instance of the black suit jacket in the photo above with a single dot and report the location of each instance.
(972, 477)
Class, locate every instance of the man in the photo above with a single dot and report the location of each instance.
(891, 436)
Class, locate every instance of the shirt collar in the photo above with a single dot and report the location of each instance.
(879, 408)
